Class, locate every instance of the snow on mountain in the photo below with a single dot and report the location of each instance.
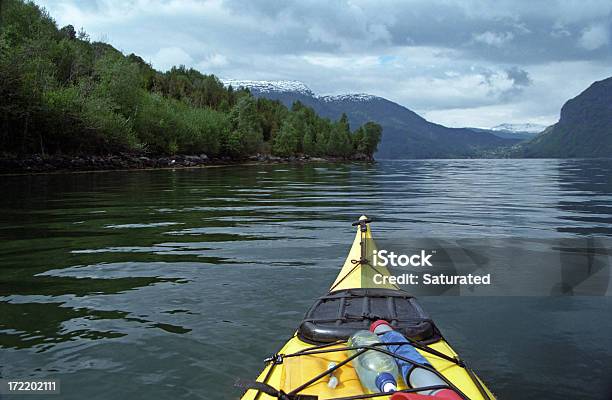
(348, 97)
(526, 127)
(270, 86)
(293, 87)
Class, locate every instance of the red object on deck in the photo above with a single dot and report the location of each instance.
(410, 396)
(443, 394)
(377, 323)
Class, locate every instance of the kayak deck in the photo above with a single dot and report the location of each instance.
(288, 371)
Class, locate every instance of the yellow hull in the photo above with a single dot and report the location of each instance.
(295, 371)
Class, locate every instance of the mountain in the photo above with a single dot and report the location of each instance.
(270, 86)
(518, 136)
(523, 128)
(405, 133)
(518, 132)
(584, 128)
(523, 131)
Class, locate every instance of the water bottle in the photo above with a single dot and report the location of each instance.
(376, 371)
(413, 376)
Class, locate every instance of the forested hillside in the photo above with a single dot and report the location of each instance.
(407, 134)
(584, 128)
(63, 93)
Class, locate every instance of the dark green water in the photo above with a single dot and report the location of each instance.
(172, 284)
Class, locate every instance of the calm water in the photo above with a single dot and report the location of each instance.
(172, 284)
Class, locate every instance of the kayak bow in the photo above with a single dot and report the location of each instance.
(303, 367)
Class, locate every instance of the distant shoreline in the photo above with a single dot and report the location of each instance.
(38, 164)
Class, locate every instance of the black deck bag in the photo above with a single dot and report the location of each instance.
(338, 315)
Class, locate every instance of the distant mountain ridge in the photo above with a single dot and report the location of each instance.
(348, 97)
(270, 86)
(584, 128)
(522, 132)
(523, 128)
(405, 133)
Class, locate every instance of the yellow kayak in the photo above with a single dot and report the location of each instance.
(318, 350)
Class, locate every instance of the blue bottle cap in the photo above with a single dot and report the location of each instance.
(383, 380)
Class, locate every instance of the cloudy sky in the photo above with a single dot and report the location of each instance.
(456, 62)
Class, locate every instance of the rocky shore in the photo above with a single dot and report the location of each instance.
(122, 161)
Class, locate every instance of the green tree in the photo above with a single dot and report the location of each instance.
(23, 22)
(69, 32)
(287, 140)
(246, 136)
(367, 137)
(158, 123)
(272, 114)
(305, 122)
(339, 141)
(118, 80)
(323, 132)
(309, 143)
(204, 132)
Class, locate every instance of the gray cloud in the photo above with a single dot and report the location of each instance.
(519, 76)
(595, 36)
(500, 31)
(452, 60)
